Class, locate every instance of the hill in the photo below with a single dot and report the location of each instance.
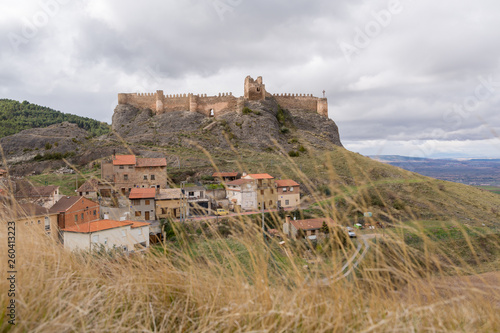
(16, 116)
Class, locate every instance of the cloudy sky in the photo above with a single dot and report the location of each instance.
(416, 78)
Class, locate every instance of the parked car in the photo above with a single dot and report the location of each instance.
(351, 234)
(221, 212)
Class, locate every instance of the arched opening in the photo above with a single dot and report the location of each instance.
(212, 114)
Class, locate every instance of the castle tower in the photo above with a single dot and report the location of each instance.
(255, 90)
(159, 101)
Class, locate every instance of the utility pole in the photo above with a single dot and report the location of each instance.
(263, 231)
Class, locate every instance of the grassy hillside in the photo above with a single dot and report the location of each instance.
(16, 116)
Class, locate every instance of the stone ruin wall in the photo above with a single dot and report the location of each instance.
(303, 102)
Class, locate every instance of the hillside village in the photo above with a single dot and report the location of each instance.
(123, 208)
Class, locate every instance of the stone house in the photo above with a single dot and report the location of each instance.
(71, 211)
(311, 227)
(129, 236)
(168, 203)
(45, 196)
(89, 189)
(126, 172)
(266, 189)
(142, 204)
(288, 193)
(242, 194)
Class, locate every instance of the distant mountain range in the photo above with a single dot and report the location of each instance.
(472, 171)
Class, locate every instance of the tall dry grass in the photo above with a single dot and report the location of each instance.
(402, 280)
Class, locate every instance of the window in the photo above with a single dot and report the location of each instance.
(291, 189)
(82, 216)
(124, 233)
(270, 202)
(147, 202)
(94, 212)
(152, 177)
(125, 177)
(136, 202)
(105, 240)
(76, 217)
(137, 213)
(131, 167)
(284, 189)
(261, 192)
(39, 222)
(145, 177)
(287, 202)
(191, 194)
(140, 231)
(47, 224)
(272, 191)
(86, 193)
(95, 238)
(122, 167)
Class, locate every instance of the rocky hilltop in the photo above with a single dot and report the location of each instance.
(260, 125)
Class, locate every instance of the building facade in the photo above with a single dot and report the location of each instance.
(266, 190)
(288, 193)
(242, 194)
(75, 210)
(142, 204)
(168, 203)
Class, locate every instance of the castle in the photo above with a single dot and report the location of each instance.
(255, 90)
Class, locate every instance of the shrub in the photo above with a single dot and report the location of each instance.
(284, 130)
(302, 149)
(247, 110)
(293, 153)
(48, 146)
(293, 140)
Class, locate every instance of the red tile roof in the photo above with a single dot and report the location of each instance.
(260, 176)
(311, 224)
(90, 185)
(124, 160)
(65, 203)
(286, 182)
(96, 226)
(239, 182)
(151, 162)
(225, 174)
(36, 191)
(136, 224)
(142, 193)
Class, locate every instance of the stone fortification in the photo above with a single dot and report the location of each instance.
(254, 90)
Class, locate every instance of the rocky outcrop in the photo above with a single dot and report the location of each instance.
(261, 126)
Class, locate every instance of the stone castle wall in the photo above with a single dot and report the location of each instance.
(224, 102)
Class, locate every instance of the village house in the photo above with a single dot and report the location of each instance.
(226, 176)
(310, 227)
(45, 196)
(168, 203)
(128, 236)
(266, 189)
(197, 201)
(242, 194)
(89, 189)
(142, 204)
(72, 211)
(126, 172)
(288, 193)
(33, 216)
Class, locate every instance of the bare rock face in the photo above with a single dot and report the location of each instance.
(263, 125)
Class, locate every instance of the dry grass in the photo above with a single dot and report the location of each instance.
(395, 283)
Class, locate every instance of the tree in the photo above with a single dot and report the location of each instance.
(324, 228)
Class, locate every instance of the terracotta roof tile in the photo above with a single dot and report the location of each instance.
(95, 226)
(124, 160)
(239, 182)
(286, 182)
(151, 162)
(142, 193)
(65, 203)
(260, 176)
(137, 224)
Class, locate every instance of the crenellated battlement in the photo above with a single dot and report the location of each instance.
(223, 102)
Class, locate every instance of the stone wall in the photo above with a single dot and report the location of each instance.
(297, 101)
(224, 102)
